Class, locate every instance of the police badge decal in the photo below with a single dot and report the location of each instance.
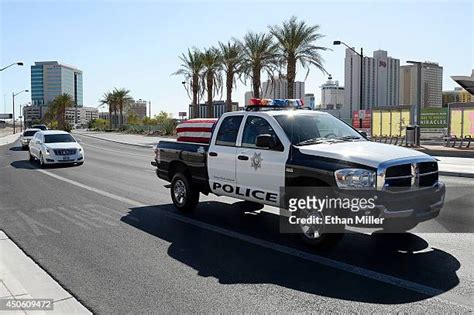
(256, 160)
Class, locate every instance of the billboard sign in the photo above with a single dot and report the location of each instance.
(434, 119)
(6, 116)
(366, 118)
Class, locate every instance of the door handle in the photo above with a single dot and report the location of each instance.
(243, 157)
(212, 153)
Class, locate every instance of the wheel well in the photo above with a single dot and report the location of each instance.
(177, 167)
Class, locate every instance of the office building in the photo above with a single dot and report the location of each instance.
(84, 115)
(458, 95)
(278, 89)
(309, 100)
(219, 108)
(51, 78)
(381, 80)
(31, 113)
(431, 84)
(332, 95)
(138, 108)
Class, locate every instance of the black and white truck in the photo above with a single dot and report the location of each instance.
(253, 154)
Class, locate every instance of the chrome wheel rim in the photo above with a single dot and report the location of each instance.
(179, 191)
(311, 231)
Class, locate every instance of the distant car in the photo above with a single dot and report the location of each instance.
(41, 127)
(55, 147)
(27, 135)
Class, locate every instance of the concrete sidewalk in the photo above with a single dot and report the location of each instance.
(21, 278)
(7, 136)
(448, 166)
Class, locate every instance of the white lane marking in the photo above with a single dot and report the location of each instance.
(366, 273)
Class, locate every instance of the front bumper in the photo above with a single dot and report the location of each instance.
(406, 208)
(61, 159)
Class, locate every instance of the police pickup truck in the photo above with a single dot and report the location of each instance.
(253, 155)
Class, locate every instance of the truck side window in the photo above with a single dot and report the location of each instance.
(227, 134)
(255, 126)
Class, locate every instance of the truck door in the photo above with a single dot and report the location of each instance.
(221, 156)
(260, 171)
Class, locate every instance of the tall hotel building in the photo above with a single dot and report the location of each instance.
(431, 84)
(381, 80)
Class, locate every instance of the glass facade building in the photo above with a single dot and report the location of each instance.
(51, 78)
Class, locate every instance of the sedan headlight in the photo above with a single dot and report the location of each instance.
(354, 178)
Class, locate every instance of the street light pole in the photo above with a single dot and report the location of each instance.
(15, 63)
(361, 90)
(13, 97)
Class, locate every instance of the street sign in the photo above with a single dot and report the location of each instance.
(362, 114)
(6, 116)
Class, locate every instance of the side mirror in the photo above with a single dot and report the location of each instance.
(78, 140)
(39, 142)
(265, 141)
(363, 134)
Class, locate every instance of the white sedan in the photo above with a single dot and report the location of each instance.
(55, 147)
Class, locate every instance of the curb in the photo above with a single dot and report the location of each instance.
(456, 174)
(115, 141)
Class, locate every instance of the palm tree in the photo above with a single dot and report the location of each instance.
(231, 54)
(108, 99)
(297, 45)
(191, 69)
(259, 54)
(211, 75)
(57, 109)
(122, 98)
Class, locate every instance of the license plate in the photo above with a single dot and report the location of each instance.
(65, 158)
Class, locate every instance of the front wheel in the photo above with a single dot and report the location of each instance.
(185, 197)
(319, 236)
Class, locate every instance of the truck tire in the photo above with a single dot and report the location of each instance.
(184, 195)
(321, 237)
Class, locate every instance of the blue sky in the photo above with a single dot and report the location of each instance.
(135, 44)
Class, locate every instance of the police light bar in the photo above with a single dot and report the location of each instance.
(258, 103)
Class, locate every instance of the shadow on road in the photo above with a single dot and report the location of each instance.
(28, 165)
(233, 261)
(17, 149)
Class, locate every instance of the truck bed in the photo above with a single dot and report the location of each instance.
(177, 155)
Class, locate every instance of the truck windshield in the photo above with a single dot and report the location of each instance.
(312, 128)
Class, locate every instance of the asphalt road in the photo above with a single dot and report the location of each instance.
(108, 233)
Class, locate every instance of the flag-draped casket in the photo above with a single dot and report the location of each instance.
(196, 130)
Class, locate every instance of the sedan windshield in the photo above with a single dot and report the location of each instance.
(312, 128)
(58, 138)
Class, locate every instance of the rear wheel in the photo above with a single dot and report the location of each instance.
(184, 195)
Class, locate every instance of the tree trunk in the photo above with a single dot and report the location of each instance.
(256, 82)
(229, 85)
(110, 116)
(290, 76)
(194, 113)
(121, 117)
(115, 117)
(210, 112)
